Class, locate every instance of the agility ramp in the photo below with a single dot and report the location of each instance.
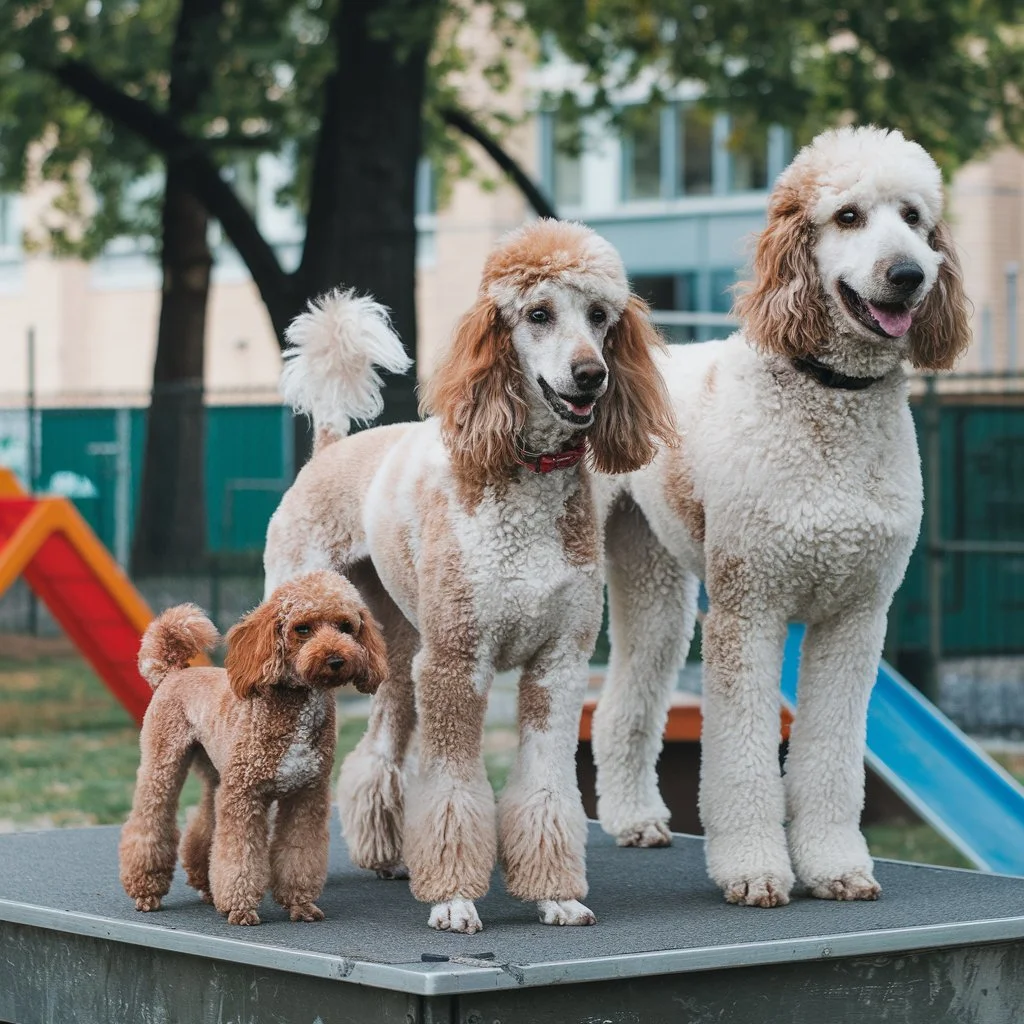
(48, 542)
(937, 771)
(940, 945)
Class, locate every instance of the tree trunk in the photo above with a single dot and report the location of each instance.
(171, 532)
(170, 535)
(361, 227)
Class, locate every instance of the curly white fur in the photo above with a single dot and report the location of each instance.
(329, 366)
(794, 501)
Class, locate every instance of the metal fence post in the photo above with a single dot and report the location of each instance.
(33, 601)
(933, 511)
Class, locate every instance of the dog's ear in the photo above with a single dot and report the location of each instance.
(635, 413)
(255, 656)
(783, 309)
(372, 641)
(478, 394)
(941, 330)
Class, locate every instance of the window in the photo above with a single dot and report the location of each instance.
(669, 293)
(694, 150)
(10, 229)
(426, 187)
(566, 166)
(748, 156)
(642, 153)
(722, 282)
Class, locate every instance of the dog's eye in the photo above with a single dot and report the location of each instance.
(344, 627)
(911, 216)
(303, 630)
(539, 316)
(598, 315)
(848, 216)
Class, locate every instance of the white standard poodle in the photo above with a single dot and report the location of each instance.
(474, 537)
(796, 495)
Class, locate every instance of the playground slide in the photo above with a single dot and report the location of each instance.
(937, 770)
(47, 541)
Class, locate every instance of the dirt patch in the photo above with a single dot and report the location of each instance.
(23, 647)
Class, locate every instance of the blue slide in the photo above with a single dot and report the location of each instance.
(937, 770)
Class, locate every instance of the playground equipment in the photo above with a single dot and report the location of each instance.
(940, 945)
(50, 544)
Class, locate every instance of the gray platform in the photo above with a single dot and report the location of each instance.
(940, 945)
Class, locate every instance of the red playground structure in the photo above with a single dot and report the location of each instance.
(48, 542)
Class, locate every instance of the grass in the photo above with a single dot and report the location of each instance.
(68, 753)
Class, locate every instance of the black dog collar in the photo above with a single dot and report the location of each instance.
(832, 378)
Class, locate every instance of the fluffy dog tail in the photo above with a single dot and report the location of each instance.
(329, 371)
(172, 640)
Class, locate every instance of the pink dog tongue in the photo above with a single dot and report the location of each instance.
(894, 324)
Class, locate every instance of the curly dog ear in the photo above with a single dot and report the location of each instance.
(783, 310)
(941, 331)
(477, 392)
(372, 641)
(255, 658)
(635, 412)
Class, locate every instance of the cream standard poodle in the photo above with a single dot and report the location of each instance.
(258, 732)
(475, 538)
(796, 495)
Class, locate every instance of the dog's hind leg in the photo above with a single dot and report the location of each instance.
(825, 764)
(298, 851)
(198, 837)
(652, 604)
(149, 839)
(371, 788)
(542, 828)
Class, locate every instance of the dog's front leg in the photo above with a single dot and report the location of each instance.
(741, 796)
(825, 765)
(298, 851)
(542, 827)
(239, 862)
(450, 835)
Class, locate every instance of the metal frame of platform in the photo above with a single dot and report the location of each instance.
(665, 949)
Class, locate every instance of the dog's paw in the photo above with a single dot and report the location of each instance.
(205, 895)
(455, 915)
(759, 891)
(243, 917)
(564, 912)
(147, 903)
(645, 834)
(853, 885)
(395, 871)
(305, 912)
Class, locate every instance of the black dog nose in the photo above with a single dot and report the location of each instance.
(905, 275)
(335, 663)
(589, 376)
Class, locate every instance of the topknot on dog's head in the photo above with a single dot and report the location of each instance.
(844, 165)
(564, 252)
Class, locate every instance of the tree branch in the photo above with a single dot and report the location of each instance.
(461, 121)
(164, 135)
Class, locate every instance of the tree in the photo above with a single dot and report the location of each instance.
(356, 90)
(171, 524)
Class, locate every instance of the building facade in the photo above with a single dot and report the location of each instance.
(680, 190)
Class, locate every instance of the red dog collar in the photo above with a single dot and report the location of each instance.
(556, 460)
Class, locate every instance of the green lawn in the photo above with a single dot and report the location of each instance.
(68, 753)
